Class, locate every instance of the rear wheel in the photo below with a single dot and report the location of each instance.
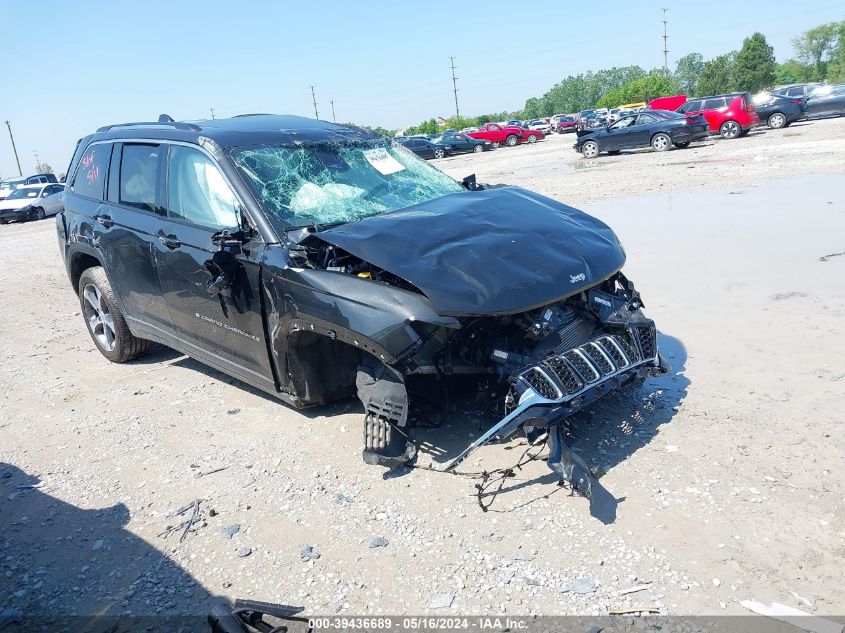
(104, 320)
(730, 129)
(510, 141)
(661, 142)
(777, 120)
(682, 145)
(439, 153)
(478, 149)
(590, 149)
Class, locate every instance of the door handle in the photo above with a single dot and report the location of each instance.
(105, 220)
(170, 242)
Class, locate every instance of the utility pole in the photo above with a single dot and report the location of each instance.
(212, 113)
(334, 120)
(665, 43)
(455, 88)
(37, 162)
(15, 149)
(314, 99)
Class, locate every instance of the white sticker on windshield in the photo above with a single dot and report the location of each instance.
(382, 161)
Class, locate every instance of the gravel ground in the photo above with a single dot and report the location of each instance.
(725, 476)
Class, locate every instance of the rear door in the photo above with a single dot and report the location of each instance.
(640, 134)
(226, 330)
(122, 220)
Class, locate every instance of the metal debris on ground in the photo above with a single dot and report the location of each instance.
(186, 525)
(210, 472)
(795, 617)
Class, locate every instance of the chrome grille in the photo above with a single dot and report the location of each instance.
(564, 372)
(614, 351)
(629, 350)
(541, 383)
(585, 369)
(599, 359)
(647, 339)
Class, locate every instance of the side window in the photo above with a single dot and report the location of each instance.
(714, 104)
(645, 118)
(796, 91)
(138, 171)
(91, 172)
(197, 192)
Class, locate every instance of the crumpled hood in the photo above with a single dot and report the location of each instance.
(15, 203)
(497, 251)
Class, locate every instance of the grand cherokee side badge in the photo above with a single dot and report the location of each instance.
(574, 279)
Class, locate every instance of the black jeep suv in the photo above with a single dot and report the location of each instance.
(315, 261)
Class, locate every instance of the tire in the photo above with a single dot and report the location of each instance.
(590, 149)
(613, 152)
(39, 213)
(511, 140)
(495, 145)
(99, 307)
(682, 145)
(660, 142)
(532, 138)
(730, 130)
(477, 149)
(439, 153)
(776, 120)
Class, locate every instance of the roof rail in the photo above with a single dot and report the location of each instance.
(175, 124)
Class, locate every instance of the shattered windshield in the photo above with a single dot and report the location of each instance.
(329, 182)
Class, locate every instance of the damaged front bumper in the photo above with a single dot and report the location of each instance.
(565, 383)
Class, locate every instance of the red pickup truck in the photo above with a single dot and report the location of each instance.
(508, 135)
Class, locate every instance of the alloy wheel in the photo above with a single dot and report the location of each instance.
(777, 120)
(660, 142)
(99, 317)
(730, 129)
(438, 153)
(590, 150)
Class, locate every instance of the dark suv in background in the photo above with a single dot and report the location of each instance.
(316, 261)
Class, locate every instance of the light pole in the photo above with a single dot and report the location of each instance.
(15, 149)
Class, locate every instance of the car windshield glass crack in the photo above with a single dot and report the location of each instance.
(338, 181)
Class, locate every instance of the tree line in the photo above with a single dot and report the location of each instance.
(819, 55)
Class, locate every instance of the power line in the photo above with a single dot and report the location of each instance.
(314, 99)
(14, 149)
(665, 43)
(455, 88)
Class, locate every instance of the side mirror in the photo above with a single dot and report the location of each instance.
(223, 266)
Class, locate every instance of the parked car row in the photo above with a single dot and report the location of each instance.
(8, 185)
(32, 202)
(677, 121)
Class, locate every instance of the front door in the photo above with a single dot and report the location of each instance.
(226, 329)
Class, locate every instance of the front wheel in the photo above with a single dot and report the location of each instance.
(661, 142)
(532, 138)
(590, 149)
(478, 149)
(777, 120)
(682, 145)
(39, 213)
(439, 153)
(730, 129)
(510, 141)
(104, 320)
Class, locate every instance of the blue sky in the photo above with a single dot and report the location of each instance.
(69, 67)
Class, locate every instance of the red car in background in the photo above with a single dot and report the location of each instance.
(564, 123)
(730, 115)
(508, 135)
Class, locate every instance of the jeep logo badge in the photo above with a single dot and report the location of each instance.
(574, 279)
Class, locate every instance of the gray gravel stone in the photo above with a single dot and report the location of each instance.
(442, 601)
(378, 541)
(229, 532)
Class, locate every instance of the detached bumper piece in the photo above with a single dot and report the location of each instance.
(566, 382)
(247, 616)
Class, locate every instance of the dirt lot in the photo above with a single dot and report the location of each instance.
(726, 475)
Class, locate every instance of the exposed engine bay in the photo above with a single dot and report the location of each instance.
(540, 365)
